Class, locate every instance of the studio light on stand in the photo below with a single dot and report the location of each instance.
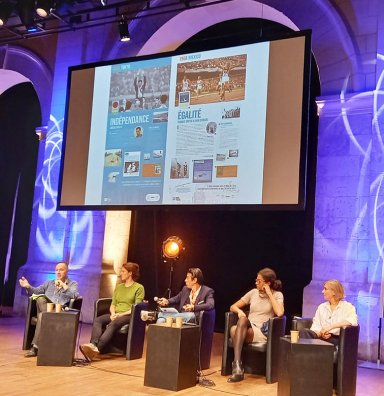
(171, 250)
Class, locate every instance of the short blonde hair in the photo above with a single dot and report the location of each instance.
(336, 287)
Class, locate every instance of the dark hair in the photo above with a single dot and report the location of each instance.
(269, 275)
(134, 268)
(196, 273)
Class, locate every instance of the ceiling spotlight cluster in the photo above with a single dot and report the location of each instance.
(27, 10)
(23, 19)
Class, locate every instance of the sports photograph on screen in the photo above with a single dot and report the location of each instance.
(221, 127)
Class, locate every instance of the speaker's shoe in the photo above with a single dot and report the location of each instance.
(32, 352)
(237, 372)
(90, 352)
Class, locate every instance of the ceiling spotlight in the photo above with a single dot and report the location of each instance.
(123, 29)
(5, 12)
(26, 10)
(44, 7)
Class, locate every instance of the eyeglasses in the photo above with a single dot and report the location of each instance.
(260, 280)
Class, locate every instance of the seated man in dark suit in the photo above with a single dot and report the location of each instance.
(193, 297)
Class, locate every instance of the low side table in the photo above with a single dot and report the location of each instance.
(306, 368)
(57, 341)
(172, 357)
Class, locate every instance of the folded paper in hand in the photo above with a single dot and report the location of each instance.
(36, 296)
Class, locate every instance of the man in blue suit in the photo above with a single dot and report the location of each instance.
(193, 297)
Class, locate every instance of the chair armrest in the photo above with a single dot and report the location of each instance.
(276, 330)
(207, 328)
(29, 329)
(102, 307)
(76, 303)
(136, 332)
(347, 360)
(301, 323)
(230, 320)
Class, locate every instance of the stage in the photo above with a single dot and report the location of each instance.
(117, 376)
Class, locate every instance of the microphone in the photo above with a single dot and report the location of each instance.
(156, 299)
(67, 309)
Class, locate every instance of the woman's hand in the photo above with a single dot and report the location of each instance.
(241, 314)
(267, 289)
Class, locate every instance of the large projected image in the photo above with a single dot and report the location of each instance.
(194, 149)
(200, 128)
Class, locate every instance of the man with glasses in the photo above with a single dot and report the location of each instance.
(193, 297)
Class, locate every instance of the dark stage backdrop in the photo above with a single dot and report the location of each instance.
(231, 246)
(19, 116)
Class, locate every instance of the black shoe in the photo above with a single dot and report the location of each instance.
(237, 372)
(32, 352)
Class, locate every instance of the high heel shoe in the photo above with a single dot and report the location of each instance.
(237, 372)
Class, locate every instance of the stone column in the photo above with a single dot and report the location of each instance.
(349, 213)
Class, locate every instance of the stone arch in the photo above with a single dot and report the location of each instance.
(29, 65)
(334, 47)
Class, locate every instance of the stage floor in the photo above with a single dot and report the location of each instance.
(118, 376)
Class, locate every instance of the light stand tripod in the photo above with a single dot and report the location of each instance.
(168, 292)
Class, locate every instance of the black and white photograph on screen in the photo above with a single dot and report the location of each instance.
(179, 168)
(112, 157)
(212, 80)
(211, 128)
(233, 153)
(142, 89)
(131, 168)
(131, 163)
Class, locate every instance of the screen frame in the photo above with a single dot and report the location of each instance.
(306, 97)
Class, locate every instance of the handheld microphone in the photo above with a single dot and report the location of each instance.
(156, 299)
(67, 309)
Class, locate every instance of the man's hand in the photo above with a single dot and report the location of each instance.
(60, 284)
(163, 302)
(188, 307)
(24, 283)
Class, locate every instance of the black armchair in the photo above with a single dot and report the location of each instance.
(257, 357)
(130, 339)
(207, 328)
(345, 359)
(31, 318)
